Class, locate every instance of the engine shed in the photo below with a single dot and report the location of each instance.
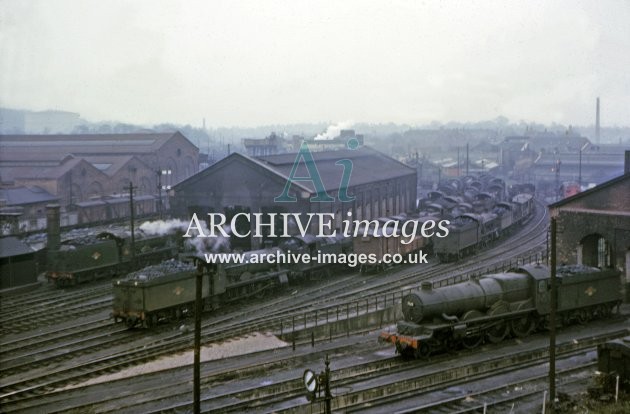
(377, 186)
(594, 227)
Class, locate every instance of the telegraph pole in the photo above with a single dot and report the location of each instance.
(159, 187)
(580, 171)
(197, 362)
(558, 163)
(552, 318)
(459, 170)
(131, 210)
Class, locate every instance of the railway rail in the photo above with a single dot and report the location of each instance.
(367, 391)
(275, 314)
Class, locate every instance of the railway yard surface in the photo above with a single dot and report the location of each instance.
(60, 350)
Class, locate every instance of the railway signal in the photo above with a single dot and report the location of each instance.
(316, 383)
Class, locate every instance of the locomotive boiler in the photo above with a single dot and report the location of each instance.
(494, 306)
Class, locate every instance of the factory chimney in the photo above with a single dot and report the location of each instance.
(597, 121)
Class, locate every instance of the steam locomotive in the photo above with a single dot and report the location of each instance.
(167, 291)
(105, 254)
(492, 307)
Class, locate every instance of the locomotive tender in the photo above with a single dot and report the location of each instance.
(491, 307)
(468, 232)
(167, 291)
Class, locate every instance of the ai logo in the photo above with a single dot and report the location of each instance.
(314, 177)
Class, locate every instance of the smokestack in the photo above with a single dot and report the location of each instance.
(53, 229)
(626, 169)
(597, 121)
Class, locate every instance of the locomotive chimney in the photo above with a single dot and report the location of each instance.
(53, 224)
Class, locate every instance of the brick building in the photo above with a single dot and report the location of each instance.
(80, 169)
(594, 227)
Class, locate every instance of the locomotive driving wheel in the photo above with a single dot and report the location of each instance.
(500, 330)
(523, 326)
(474, 340)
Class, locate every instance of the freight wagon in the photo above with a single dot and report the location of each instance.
(372, 240)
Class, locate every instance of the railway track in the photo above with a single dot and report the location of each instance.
(506, 397)
(366, 392)
(224, 326)
(284, 392)
(12, 303)
(54, 307)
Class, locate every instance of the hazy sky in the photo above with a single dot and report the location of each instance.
(259, 62)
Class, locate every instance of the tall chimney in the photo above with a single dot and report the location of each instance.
(53, 228)
(597, 121)
(626, 169)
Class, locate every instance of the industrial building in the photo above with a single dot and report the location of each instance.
(380, 186)
(87, 169)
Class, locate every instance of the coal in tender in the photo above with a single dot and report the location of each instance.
(167, 267)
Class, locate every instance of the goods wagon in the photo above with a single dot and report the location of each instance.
(377, 241)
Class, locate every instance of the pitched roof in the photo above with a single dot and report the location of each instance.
(23, 195)
(56, 147)
(50, 171)
(111, 164)
(368, 166)
(590, 191)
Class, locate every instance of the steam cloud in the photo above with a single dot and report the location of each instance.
(333, 131)
(201, 245)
